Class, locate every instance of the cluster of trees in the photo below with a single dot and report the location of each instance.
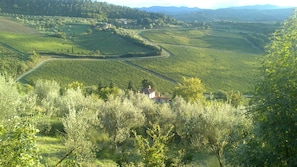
(14, 63)
(81, 8)
(135, 39)
(127, 128)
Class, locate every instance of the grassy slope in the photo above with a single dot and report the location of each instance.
(28, 42)
(95, 72)
(222, 60)
(26, 39)
(8, 25)
(108, 43)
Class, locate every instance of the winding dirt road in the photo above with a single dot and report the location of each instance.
(49, 58)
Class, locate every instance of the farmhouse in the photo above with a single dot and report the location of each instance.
(123, 21)
(103, 26)
(151, 93)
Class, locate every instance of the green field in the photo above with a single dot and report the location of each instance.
(84, 44)
(95, 72)
(108, 43)
(43, 43)
(74, 39)
(223, 60)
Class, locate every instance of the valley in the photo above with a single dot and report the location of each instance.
(222, 50)
(88, 83)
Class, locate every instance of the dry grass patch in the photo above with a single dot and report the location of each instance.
(8, 25)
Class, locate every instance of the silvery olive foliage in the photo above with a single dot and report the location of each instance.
(17, 130)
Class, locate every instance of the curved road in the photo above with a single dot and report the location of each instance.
(164, 54)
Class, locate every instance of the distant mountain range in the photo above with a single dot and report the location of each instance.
(257, 13)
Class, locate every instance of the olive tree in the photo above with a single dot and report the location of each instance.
(17, 131)
(223, 125)
(154, 149)
(118, 116)
(47, 97)
(9, 98)
(79, 147)
(212, 128)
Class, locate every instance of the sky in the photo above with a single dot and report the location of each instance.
(205, 4)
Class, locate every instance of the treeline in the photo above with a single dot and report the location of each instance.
(80, 8)
(135, 39)
(14, 63)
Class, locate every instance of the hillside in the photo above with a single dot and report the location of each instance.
(81, 8)
(258, 13)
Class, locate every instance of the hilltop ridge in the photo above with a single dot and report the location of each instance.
(256, 13)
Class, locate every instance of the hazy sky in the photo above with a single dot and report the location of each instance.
(210, 4)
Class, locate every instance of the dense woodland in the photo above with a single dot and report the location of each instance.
(82, 8)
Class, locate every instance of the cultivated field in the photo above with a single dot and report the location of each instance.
(224, 61)
(93, 72)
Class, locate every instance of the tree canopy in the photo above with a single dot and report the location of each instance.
(80, 8)
(191, 89)
(274, 138)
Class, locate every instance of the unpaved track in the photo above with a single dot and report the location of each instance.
(152, 72)
(164, 54)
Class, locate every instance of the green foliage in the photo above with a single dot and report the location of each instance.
(235, 98)
(77, 141)
(9, 98)
(41, 43)
(222, 125)
(154, 149)
(274, 135)
(212, 128)
(17, 133)
(223, 56)
(18, 143)
(106, 92)
(47, 90)
(146, 83)
(108, 43)
(223, 60)
(76, 85)
(12, 62)
(34, 57)
(130, 86)
(60, 35)
(95, 129)
(97, 72)
(118, 117)
(87, 9)
(191, 90)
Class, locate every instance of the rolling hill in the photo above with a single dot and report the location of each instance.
(258, 13)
